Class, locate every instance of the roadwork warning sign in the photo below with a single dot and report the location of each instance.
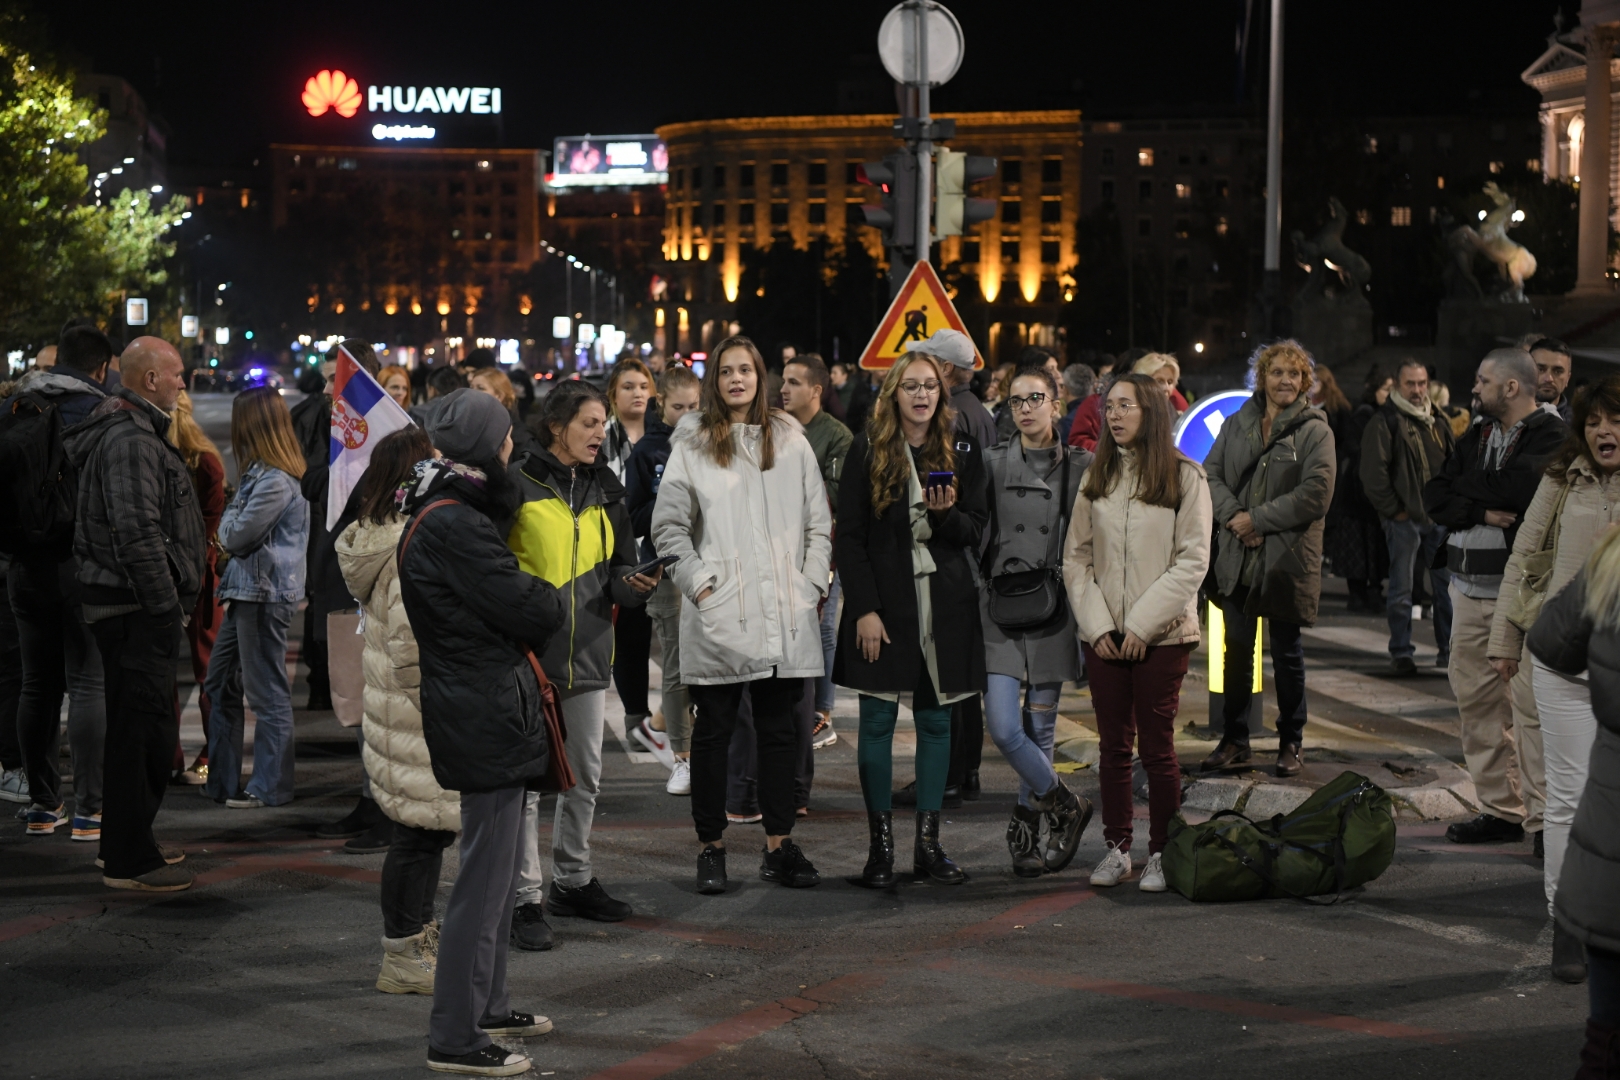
(920, 308)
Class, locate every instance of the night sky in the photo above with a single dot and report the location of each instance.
(227, 77)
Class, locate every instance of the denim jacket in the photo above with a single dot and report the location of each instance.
(266, 531)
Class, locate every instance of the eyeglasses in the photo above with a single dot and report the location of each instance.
(1119, 408)
(913, 388)
(1033, 401)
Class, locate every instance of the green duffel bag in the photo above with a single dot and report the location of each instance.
(1341, 837)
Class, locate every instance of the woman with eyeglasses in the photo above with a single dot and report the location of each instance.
(1029, 632)
(1136, 554)
(911, 503)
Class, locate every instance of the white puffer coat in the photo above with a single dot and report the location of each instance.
(396, 753)
(761, 540)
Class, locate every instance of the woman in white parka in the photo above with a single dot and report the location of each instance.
(743, 509)
(426, 817)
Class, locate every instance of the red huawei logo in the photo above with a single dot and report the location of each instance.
(331, 90)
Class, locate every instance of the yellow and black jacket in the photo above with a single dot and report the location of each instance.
(573, 530)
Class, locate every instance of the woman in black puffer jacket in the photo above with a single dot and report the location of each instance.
(476, 614)
(1579, 632)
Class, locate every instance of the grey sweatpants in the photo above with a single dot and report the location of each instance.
(576, 808)
(664, 608)
(470, 983)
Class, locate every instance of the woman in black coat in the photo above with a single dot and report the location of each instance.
(911, 617)
(476, 616)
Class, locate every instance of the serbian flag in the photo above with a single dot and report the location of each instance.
(362, 413)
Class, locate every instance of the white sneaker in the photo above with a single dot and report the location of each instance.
(1114, 868)
(1152, 876)
(680, 778)
(656, 742)
(14, 786)
(823, 734)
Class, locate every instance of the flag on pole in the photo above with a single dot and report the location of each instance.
(362, 413)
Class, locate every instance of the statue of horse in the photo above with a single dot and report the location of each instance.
(1513, 261)
(1327, 260)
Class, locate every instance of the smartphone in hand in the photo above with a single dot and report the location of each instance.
(940, 479)
(649, 567)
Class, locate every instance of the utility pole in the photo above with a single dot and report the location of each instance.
(1271, 287)
(925, 140)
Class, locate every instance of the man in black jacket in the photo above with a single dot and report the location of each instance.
(1482, 491)
(140, 543)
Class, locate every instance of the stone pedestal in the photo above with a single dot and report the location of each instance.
(1467, 329)
(1334, 329)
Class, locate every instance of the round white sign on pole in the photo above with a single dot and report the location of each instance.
(897, 44)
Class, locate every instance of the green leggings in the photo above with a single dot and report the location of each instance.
(876, 754)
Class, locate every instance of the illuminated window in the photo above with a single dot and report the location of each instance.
(1363, 217)
(818, 174)
(1533, 165)
(1051, 210)
(1108, 191)
(1221, 227)
(1010, 212)
(970, 251)
(778, 174)
(779, 213)
(1440, 183)
(1369, 144)
(818, 213)
(1052, 171)
(1400, 215)
(1183, 191)
(1009, 251)
(1049, 252)
(1496, 166)
(1144, 157)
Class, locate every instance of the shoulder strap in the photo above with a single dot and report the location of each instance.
(417, 521)
(1549, 542)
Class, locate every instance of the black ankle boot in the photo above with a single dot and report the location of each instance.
(1024, 842)
(1600, 1057)
(970, 785)
(1568, 955)
(879, 872)
(929, 859)
(1067, 816)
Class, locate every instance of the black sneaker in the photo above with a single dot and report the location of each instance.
(377, 838)
(530, 929)
(354, 823)
(589, 901)
(521, 1024)
(1485, 829)
(1403, 665)
(492, 1060)
(788, 866)
(711, 871)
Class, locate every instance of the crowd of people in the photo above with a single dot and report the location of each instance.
(928, 537)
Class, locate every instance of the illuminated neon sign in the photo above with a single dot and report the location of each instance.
(478, 100)
(401, 131)
(334, 91)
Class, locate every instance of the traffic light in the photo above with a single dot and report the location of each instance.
(954, 210)
(896, 176)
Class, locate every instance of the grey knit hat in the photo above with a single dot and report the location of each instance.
(951, 346)
(469, 426)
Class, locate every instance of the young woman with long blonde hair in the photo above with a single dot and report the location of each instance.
(911, 505)
(265, 531)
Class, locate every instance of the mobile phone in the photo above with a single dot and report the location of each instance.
(649, 567)
(941, 479)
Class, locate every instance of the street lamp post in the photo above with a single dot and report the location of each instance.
(1271, 286)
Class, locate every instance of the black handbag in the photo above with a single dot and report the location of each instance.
(1033, 598)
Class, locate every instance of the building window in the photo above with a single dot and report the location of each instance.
(294, 187)
(1051, 210)
(852, 172)
(1400, 215)
(1183, 191)
(1223, 189)
(1369, 144)
(508, 233)
(1049, 252)
(1108, 157)
(818, 213)
(1144, 190)
(779, 213)
(680, 177)
(1012, 172)
(1363, 217)
(1184, 158)
(1009, 251)
(508, 188)
(1010, 211)
(1052, 171)
(508, 255)
(1532, 165)
(745, 176)
(719, 177)
(853, 218)
(1440, 183)
(745, 213)
(1221, 227)
(970, 251)
(818, 174)
(778, 174)
(1108, 191)
(1496, 166)
(482, 210)
(458, 187)
(1144, 157)
(1144, 226)
(1183, 228)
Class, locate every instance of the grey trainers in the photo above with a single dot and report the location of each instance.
(14, 786)
(163, 879)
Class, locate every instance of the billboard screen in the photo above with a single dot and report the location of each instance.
(608, 161)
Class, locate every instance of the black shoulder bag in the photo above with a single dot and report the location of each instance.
(1031, 599)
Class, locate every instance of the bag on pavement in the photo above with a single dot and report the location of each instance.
(40, 483)
(1340, 837)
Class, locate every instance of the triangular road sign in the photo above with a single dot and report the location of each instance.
(920, 308)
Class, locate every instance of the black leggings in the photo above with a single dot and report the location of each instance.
(632, 645)
(717, 706)
(410, 878)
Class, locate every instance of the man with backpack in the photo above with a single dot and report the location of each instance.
(1404, 446)
(140, 542)
(58, 652)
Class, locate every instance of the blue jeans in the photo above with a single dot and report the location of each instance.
(251, 653)
(1024, 732)
(829, 646)
(1408, 543)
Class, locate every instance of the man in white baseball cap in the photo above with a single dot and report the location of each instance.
(956, 350)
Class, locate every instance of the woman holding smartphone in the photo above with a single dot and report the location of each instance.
(1136, 554)
(743, 509)
(911, 503)
(1029, 632)
(574, 531)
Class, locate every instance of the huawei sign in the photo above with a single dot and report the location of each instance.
(331, 90)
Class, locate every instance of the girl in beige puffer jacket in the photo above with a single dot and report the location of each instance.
(426, 817)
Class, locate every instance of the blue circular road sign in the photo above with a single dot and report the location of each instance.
(1196, 430)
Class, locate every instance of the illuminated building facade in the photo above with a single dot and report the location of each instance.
(746, 183)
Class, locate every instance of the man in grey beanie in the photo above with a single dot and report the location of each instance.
(955, 352)
(470, 427)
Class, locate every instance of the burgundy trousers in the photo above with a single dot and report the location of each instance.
(1136, 704)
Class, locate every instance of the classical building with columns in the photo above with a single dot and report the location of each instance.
(1579, 140)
